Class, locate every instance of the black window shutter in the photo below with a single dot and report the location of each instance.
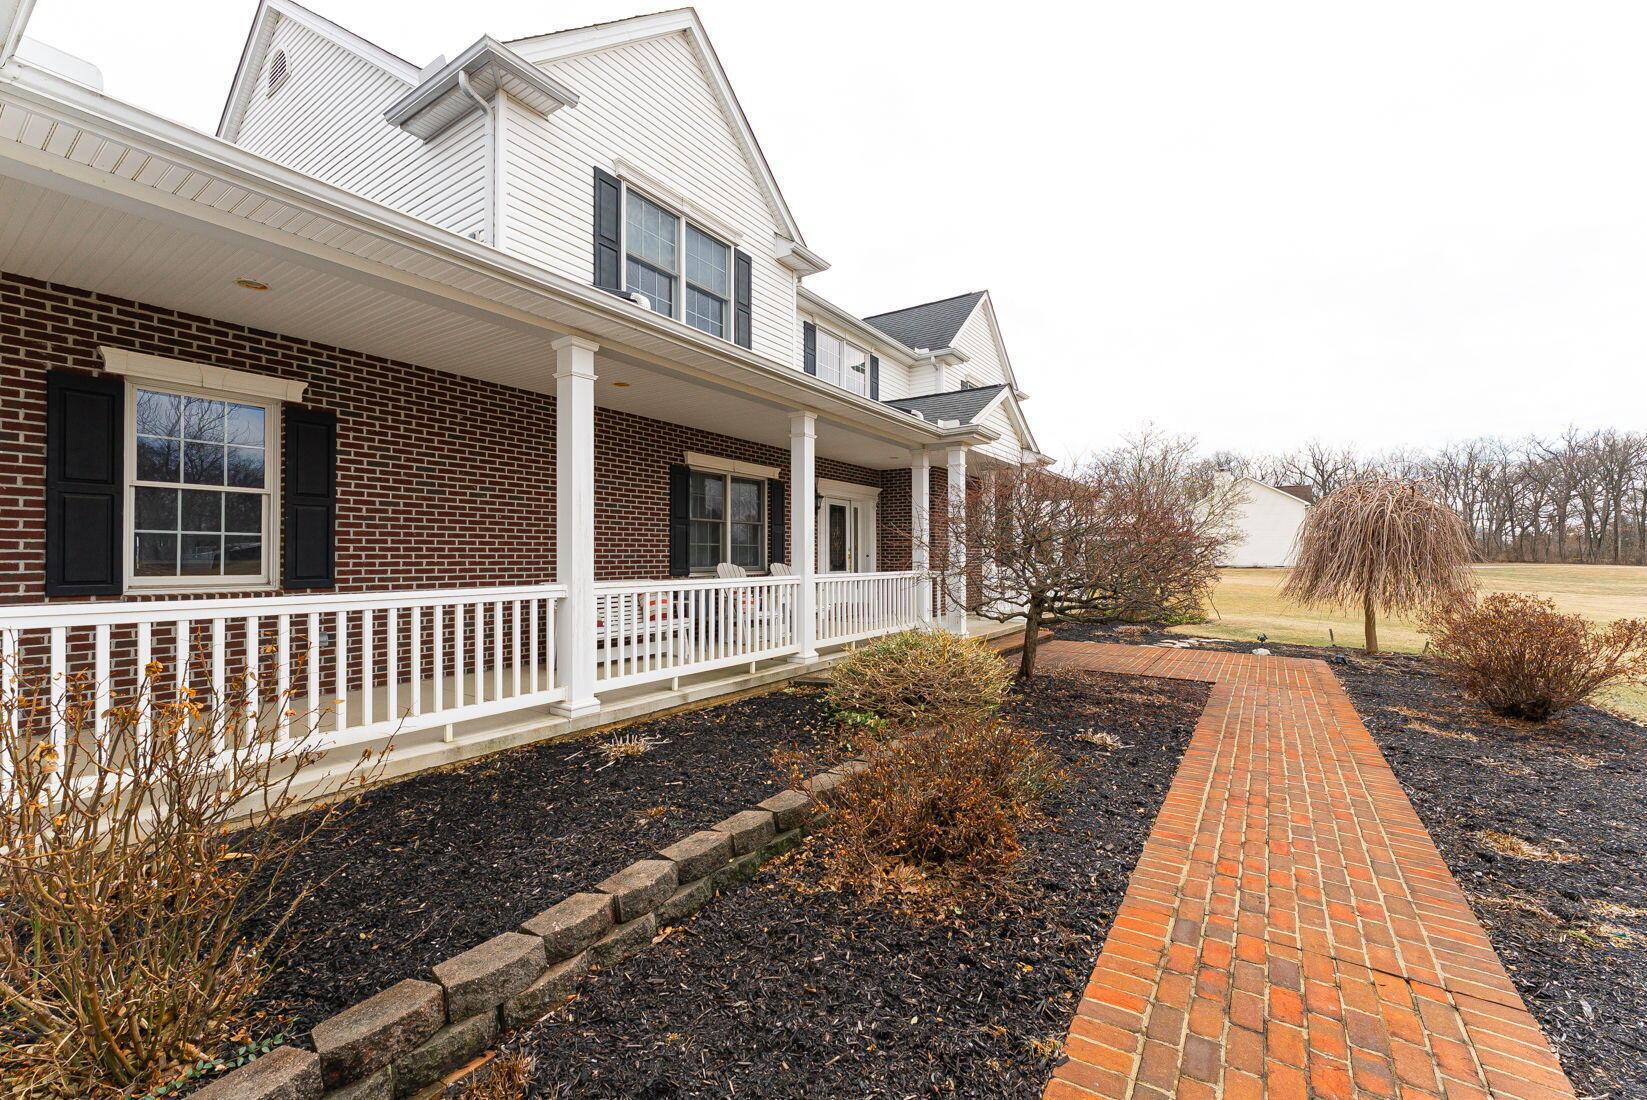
(809, 346)
(608, 253)
(874, 377)
(774, 521)
(680, 521)
(742, 291)
(85, 461)
(310, 537)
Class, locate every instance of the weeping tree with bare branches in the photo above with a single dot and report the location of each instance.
(1382, 544)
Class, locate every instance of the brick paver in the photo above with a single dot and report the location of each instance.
(1290, 929)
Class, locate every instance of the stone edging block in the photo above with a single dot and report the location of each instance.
(486, 975)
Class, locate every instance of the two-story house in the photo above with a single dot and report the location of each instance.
(478, 400)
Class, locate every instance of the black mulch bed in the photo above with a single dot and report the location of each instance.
(435, 864)
(776, 992)
(1570, 924)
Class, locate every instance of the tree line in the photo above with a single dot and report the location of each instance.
(1577, 497)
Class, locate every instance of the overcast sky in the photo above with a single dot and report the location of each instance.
(1391, 224)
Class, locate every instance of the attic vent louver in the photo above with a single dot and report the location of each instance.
(277, 71)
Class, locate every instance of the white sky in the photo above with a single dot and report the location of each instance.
(1258, 223)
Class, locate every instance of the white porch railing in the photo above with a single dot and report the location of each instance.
(355, 667)
(347, 667)
(854, 606)
(659, 630)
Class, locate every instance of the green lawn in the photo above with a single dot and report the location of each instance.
(1248, 603)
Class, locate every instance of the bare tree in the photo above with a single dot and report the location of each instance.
(1134, 534)
(1383, 544)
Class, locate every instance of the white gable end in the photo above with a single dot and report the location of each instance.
(979, 340)
(325, 119)
(648, 113)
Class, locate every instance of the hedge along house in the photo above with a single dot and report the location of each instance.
(479, 401)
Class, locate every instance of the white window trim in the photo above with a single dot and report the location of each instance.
(266, 580)
(841, 369)
(715, 464)
(727, 469)
(239, 384)
(683, 211)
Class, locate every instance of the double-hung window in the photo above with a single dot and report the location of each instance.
(708, 282)
(199, 473)
(656, 240)
(728, 521)
(842, 364)
(652, 242)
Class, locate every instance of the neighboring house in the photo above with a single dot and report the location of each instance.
(460, 393)
(1267, 519)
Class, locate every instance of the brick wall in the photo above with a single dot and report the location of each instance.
(442, 480)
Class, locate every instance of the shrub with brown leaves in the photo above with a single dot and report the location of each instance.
(938, 806)
(919, 678)
(131, 858)
(1524, 659)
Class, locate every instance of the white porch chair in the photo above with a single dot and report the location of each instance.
(726, 571)
(780, 569)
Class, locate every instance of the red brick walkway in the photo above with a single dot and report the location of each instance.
(1291, 930)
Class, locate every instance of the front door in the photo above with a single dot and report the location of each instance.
(837, 536)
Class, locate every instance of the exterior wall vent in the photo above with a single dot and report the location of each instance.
(277, 71)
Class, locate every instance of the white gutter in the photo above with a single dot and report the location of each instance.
(82, 106)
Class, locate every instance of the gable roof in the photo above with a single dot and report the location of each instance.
(559, 45)
(961, 406)
(1304, 493)
(929, 325)
(261, 34)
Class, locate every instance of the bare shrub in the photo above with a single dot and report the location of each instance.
(1524, 659)
(938, 808)
(129, 866)
(918, 678)
(1382, 545)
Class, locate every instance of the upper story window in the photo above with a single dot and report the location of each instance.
(199, 471)
(843, 364)
(708, 281)
(655, 241)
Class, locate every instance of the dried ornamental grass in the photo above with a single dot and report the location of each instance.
(919, 678)
(1382, 545)
(1524, 659)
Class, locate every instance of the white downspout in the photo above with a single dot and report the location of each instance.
(494, 159)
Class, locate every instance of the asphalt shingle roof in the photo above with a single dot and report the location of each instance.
(929, 325)
(957, 405)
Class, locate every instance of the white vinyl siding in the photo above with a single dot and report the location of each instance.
(1009, 448)
(649, 103)
(977, 339)
(894, 380)
(326, 120)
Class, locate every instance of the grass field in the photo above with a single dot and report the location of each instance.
(1248, 603)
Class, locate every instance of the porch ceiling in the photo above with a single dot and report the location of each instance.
(51, 235)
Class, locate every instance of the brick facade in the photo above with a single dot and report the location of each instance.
(442, 480)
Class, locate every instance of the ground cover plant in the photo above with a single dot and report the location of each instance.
(790, 988)
(1540, 823)
(917, 678)
(1522, 658)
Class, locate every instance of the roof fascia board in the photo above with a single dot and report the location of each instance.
(257, 42)
(14, 18)
(486, 51)
(988, 305)
(883, 344)
(212, 156)
(563, 45)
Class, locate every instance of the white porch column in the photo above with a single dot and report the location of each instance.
(803, 535)
(920, 530)
(957, 539)
(575, 522)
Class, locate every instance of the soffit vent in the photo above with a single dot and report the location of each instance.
(277, 71)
